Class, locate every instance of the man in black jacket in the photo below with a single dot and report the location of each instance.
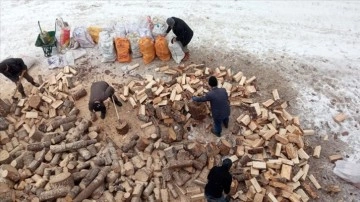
(220, 107)
(13, 68)
(100, 91)
(219, 181)
(182, 31)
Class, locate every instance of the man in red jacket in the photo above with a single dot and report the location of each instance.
(183, 33)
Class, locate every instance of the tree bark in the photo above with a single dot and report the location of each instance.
(79, 94)
(53, 194)
(99, 180)
(71, 146)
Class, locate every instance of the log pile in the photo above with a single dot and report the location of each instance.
(52, 153)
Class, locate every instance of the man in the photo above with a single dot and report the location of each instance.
(220, 107)
(100, 91)
(183, 33)
(219, 181)
(13, 68)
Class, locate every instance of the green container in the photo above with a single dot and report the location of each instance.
(47, 48)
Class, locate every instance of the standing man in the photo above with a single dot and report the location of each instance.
(220, 107)
(183, 33)
(100, 91)
(13, 69)
(219, 181)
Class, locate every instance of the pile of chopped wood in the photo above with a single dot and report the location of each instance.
(48, 152)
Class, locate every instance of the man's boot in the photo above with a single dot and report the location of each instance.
(21, 90)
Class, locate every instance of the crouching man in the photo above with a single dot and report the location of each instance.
(14, 69)
(100, 91)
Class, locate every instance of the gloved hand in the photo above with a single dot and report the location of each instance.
(194, 98)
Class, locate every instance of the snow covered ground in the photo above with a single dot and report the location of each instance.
(314, 45)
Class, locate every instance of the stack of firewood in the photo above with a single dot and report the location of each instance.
(48, 152)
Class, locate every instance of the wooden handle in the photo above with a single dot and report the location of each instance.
(117, 114)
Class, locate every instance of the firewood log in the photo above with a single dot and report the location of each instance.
(10, 172)
(71, 146)
(37, 161)
(98, 181)
(62, 180)
(195, 149)
(53, 194)
(59, 122)
(89, 177)
(79, 94)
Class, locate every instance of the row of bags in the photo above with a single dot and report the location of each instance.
(124, 49)
(145, 47)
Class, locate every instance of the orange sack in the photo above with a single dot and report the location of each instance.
(122, 46)
(162, 49)
(147, 49)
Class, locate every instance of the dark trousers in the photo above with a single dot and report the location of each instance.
(29, 78)
(218, 122)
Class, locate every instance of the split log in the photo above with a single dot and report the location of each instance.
(79, 94)
(172, 190)
(71, 146)
(200, 162)
(198, 110)
(138, 189)
(224, 147)
(98, 181)
(53, 194)
(4, 157)
(142, 143)
(177, 164)
(195, 149)
(62, 180)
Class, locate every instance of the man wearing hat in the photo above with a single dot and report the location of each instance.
(183, 33)
(100, 91)
(220, 107)
(219, 181)
(14, 69)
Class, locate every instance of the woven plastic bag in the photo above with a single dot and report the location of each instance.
(162, 49)
(122, 49)
(82, 36)
(94, 33)
(147, 49)
(106, 46)
(176, 51)
(159, 27)
(349, 171)
(134, 39)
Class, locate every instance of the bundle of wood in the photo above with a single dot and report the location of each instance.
(49, 153)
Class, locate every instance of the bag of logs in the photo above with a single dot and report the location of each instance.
(197, 110)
